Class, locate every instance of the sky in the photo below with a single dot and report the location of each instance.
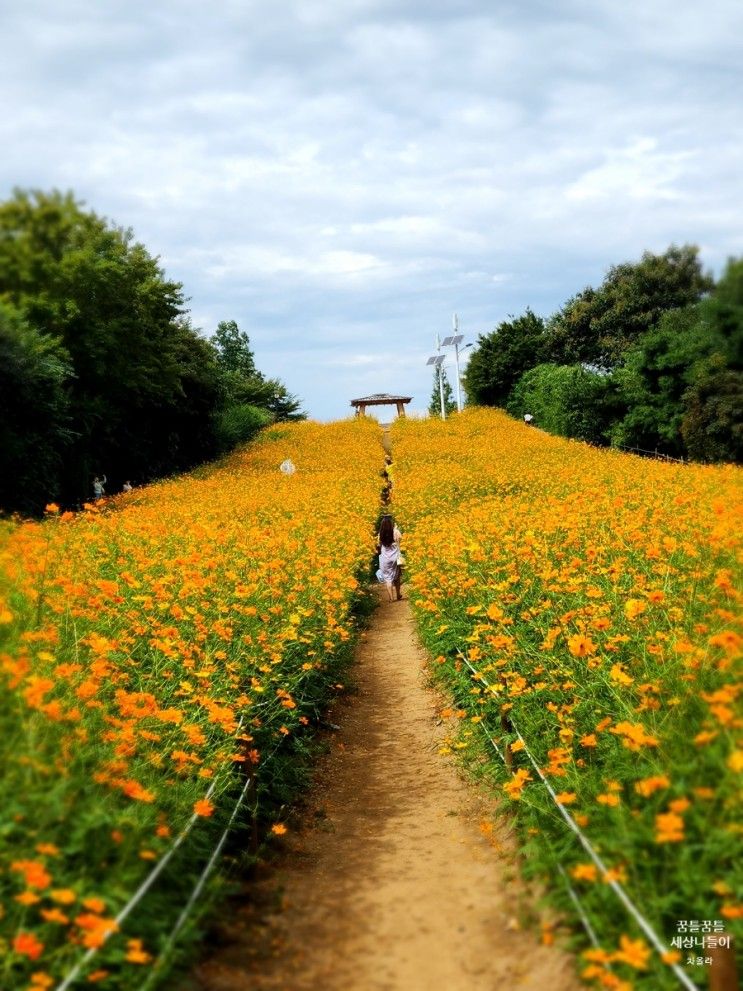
(341, 176)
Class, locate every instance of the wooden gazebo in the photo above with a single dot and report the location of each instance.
(381, 399)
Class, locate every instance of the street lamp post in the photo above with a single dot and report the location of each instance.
(437, 360)
(454, 341)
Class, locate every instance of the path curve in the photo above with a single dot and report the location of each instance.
(394, 886)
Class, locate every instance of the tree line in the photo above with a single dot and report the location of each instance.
(101, 370)
(651, 359)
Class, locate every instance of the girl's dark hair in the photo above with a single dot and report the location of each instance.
(386, 531)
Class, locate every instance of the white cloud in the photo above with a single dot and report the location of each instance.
(340, 177)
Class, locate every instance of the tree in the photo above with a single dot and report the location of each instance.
(712, 424)
(242, 384)
(599, 326)
(655, 376)
(34, 413)
(502, 357)
(234, 353)
(680, 381)
(568, 400)
(712, 421)
(434, 407)
(283, 405)
(144, 384)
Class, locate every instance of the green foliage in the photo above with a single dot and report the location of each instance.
(241, 384)
(599, 326)
(143, 384)
(502, 356)
(567, 400)
(233, 349)
(681, 381)
(653, 382)
(34, 413)
(712, 425)
(238, 424)
(284, 405)
(450, 405)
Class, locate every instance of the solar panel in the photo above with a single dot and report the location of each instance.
(457, 339)
(447, 340)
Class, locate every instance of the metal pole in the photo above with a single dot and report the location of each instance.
(459, 390)
(456, 359)
(441, 379)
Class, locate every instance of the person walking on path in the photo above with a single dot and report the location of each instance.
(390, 559)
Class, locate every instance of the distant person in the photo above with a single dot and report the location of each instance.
(287, 467)
(389, 468)
(528, 418)
(98, 487)
(391, 560)
(127, 487)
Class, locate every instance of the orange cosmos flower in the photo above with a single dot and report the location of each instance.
(47, 849)
(54, 915)
(633, 735)
(669, 828)
(34, 873)
(648, 786)
(63, 896)
(96, 929)
(135, 953)
(203, 807)
(133, 789)
(620, 676)
(566, 797)
(27, 898)
(634, 608)
(40, 981)
(581, 645)
(515, 786)
(634, 952)
(27, 945)
(94, 905)
(584, 872)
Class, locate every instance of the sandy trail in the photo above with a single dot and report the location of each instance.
(389, 884)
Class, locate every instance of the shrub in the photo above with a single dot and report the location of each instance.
(568, 400)
(238, 424)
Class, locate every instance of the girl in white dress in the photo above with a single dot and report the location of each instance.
(390, 569)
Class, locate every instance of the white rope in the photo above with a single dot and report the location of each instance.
(138, 894)
(575, 898)
(198, 887)
(157, 870)
(587, 846)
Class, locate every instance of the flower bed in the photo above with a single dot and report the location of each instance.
(581, 607)
(154, 654)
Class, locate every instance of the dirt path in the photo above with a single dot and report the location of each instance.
(391, 885)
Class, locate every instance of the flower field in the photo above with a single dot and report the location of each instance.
(154, 656)
(583, 609)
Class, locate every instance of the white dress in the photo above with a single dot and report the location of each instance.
(387, 572)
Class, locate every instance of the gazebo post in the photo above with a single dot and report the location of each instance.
(380, 399)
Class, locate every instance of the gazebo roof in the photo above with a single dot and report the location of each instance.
(380, 399)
